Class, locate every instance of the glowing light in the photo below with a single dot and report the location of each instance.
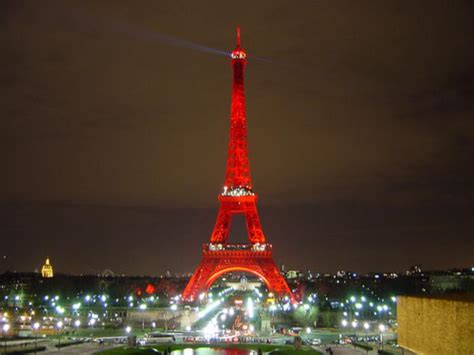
(174, 307)
(77, 323)
(382, 328)
(250, 307)
(36, 326)
(128, 329)
(366, 326)
(344, 323)
(208, 309)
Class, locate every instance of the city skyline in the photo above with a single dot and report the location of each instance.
(116, 121)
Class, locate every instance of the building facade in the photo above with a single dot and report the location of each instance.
(436, 324)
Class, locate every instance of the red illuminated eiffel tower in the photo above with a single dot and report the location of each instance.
(219, 256)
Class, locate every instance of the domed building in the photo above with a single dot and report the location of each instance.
(47, 269)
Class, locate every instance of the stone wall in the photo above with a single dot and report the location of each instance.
(432, 326)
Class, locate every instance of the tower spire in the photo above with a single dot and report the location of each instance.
(238, 36)
(238, 167)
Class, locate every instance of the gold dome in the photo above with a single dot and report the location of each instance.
(47, 269)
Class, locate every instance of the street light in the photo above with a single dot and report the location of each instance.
(382, 329)
(59, 325)
(77, 324)
(344, 323)
(366, 328)
(174, 308)
(36, 326)
(142, 308)
(5, 329)
(128, 329)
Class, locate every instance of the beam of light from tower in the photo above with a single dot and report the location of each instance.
(151, 35)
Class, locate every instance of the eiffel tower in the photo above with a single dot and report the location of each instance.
(218, 256)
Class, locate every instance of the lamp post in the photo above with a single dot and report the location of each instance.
(382, 329)
(366, 328)
(77, 324)
(35, 329)
(174, 308)
(142, 308)
(59, 325)
(5, 329)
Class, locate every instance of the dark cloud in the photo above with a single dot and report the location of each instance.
(367, 105)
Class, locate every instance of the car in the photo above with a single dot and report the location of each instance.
(315, 342)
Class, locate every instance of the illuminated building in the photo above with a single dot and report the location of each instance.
(47, 269)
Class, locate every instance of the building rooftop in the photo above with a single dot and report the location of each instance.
(458, 296)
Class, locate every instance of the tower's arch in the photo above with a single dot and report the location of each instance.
(214, 276)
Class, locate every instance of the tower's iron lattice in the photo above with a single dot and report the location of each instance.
(219, 256)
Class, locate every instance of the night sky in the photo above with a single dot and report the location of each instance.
(114, 121)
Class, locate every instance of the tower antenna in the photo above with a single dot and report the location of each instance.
(238, 36)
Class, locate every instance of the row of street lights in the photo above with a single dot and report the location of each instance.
(366, 326)
(35, 327)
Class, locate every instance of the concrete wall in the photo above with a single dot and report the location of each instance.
(436, 326)
(163, 317)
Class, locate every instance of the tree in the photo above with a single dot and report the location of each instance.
(306, 315)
